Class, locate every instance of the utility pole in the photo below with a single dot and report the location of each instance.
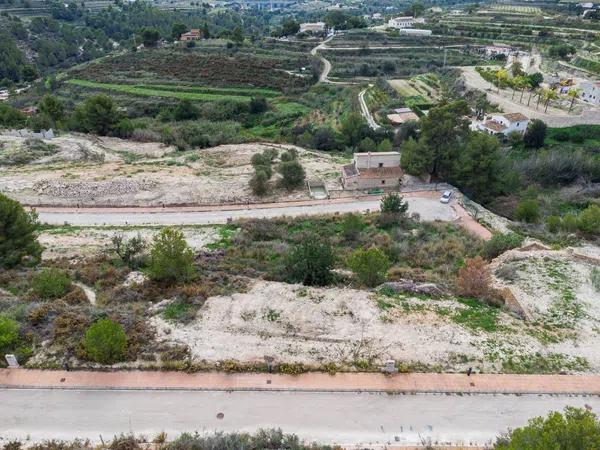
(445, 56)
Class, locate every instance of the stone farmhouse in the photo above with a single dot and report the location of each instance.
(373, 170)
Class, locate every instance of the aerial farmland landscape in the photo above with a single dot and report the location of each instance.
(299, 224)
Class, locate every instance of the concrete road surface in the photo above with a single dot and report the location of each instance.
(428, 209)
(364, 109)
(345, 418)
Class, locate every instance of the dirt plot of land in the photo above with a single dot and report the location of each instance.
(87, 242)
(112, 172)
(317, 326)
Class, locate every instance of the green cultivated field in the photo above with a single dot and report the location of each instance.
(179, 92)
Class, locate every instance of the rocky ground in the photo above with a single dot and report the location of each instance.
(91, 171)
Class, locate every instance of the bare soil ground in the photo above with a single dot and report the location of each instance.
(87, 171)
(347, 327)
(87, 242)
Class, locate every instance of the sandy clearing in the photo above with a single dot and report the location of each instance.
(87, 242)
(150, 174)
(312, 326)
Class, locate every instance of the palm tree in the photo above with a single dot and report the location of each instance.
(573, 93)
(549, 94)
(501, 78)
(519, 84)
(531, 91)
(540, 93)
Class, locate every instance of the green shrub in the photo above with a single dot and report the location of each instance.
(574, 429)
(171, 259)
(9, 334)
(569, 223)
(292, 174)
(499, 243)
(105, 342)
(352, 225)
(595, 278)
(310, 262)
(51, 283)
(589, 220)
(370, 266)
(18, 240)
(393, 203)
(553, 224)
(528, 211)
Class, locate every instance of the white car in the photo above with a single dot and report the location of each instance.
(445, 198)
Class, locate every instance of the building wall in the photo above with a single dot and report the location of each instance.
(375, 159)
(590, 93)
(401, 23)
(370, 183)
(520, 126)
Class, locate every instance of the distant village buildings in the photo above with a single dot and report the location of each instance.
(373, 170)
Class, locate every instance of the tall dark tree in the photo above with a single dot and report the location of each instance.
(97, 114)
(177, 30)
(18, 234)
(535, 135)
(478, 171)
(150, 37)
(289, 26)
(443, 131)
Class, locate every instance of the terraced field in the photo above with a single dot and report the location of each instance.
(222, 70)
(418, 90)
(516, 9)
(198, 93)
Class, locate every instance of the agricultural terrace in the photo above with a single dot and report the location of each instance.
(418, 90)
(218, 70)
(394, 62)
(199, 93)
(369, 38)
(513, 9)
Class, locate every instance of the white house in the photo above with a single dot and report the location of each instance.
(504, 124)
(373, 170)
(403, 22)
(316, 27)
(590, 92)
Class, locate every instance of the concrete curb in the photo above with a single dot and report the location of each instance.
(296, 390)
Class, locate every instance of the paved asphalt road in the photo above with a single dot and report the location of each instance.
(345, 418)
(428, 209)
